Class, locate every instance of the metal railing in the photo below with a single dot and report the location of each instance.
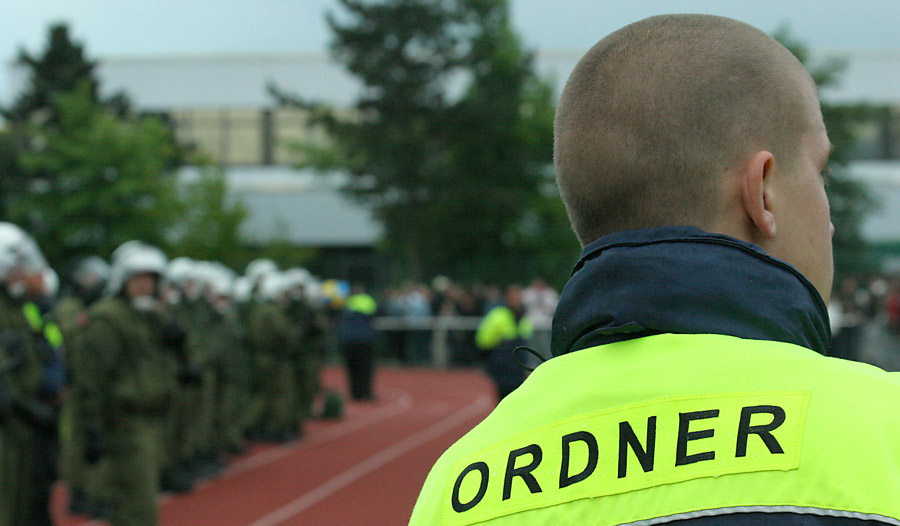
(439, 329)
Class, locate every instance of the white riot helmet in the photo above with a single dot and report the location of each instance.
(90, 271)
(260, 267)
(220, 280)
(125, 249)
(51, 283)
(179, 270)
(313, 289)
(243, 289)
(296, 282)
(258, 272)
(219, 283)
(272, 287)
(133, 258)
(18, 251)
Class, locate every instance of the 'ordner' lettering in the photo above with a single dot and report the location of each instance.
(633, 448)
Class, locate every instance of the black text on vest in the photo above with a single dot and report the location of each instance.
(692, 427)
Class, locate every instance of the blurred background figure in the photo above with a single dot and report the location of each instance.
(504, 328)
(127, 385)
(30, 383)
(892, 306)
(415, 304)
(89, 490)
(273, 340)
(851, 308)
(540, 304)
(356, 337)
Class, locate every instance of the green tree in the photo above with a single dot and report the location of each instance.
(404, 51)
(109, 181)
(452, 174)
(84, 173)
(210, 227)
(59, 69)
(491, 212)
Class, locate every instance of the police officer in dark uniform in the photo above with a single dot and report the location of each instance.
(356, 336)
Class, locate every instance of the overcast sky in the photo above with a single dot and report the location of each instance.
(184, 27)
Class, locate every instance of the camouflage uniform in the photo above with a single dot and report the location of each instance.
(20, 381)
(231, 366)
(306, 358)
(69, 312)
(88, 486)
(181, 419)
(273, 337)
(127, 388)
(205, 355)
(44, 409)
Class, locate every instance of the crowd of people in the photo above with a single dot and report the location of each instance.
(858, 301)
(146, 375)
(417, 302)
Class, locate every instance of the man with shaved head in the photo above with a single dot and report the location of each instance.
(690, 382)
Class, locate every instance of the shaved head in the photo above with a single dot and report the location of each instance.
(657, 114)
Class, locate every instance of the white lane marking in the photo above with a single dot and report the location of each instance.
(401, 405)
(374, 462)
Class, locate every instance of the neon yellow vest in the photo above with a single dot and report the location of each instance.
(672, 426)
(50, 329)
(500, 325)
(362, 303)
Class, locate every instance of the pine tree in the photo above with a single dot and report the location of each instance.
(451, 139)
(84, 173)
(59, 69)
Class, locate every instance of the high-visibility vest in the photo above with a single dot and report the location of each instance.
(677, 426)
(500, 325)
(49, 329)
(362, 303)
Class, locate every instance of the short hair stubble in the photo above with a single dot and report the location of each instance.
(657, 113)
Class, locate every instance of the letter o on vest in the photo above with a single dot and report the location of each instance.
(482, 468)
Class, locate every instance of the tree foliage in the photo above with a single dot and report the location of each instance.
(96, 180)
(210, 228)
(60, 69)
(84, 174)
(450, 141)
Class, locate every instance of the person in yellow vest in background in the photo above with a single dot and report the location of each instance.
(504, 328)
(356, 337)
(690, 382)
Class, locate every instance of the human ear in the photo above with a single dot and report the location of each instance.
(755, 192)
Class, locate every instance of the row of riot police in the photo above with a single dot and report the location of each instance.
(170, 367)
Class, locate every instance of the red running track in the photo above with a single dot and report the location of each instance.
(364, 469)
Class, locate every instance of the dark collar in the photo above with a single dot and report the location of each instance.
(685, 280)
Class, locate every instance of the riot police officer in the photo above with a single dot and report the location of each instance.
(23, 416)
(128, 384)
